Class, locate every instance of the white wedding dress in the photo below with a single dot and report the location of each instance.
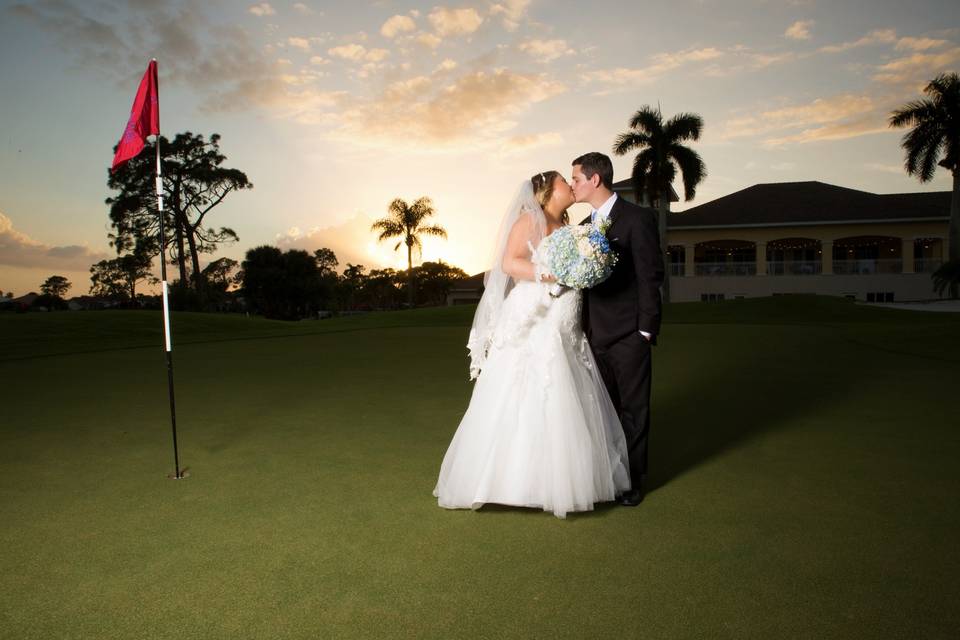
(540, 431)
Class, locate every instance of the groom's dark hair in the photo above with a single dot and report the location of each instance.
(594, 163)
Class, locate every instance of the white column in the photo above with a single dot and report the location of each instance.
(761, 257)
(826, 257)
(906, 254)
(689, 260)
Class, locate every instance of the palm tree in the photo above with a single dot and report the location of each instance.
(936, 130)
(407, 223)
(660, 155)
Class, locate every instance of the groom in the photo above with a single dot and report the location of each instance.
(621, 315)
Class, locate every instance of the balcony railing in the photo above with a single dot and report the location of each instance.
(726, 268)
(927, 265)
(867, 266)
(676, 269)
(794, 267)
(809, 267)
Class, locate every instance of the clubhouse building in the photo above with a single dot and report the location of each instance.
(799, 237)
(809, 237)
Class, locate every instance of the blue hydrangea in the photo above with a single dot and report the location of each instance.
(578, 255)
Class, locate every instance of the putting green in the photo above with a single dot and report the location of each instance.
(804, 483)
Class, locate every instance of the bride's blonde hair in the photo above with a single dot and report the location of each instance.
(543, 190)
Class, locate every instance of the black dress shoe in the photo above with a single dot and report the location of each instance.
(630, 498)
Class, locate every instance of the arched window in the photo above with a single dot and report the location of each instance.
(794, 256)
(726, 258)
(864, 255)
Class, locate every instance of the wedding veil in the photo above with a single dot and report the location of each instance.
(496, 282)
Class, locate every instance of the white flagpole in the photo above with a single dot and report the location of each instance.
(163, 261)
(166, 317)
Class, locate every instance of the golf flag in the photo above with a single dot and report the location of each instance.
(144, 118)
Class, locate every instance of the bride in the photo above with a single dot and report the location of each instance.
(540, 430)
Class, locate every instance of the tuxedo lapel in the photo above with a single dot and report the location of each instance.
(614, 216)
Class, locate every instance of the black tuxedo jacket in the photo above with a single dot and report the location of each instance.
(629, 300)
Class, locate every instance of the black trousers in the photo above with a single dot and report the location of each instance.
(626, 372)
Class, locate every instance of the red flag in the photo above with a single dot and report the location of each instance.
(144, 118)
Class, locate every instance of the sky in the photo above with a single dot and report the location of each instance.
(333, 109)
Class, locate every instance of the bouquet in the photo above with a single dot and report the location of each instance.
(579, 256)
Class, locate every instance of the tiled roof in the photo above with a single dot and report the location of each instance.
(627, 185)
(810, 203)
(472, 283)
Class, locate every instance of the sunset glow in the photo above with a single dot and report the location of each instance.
(332, 110)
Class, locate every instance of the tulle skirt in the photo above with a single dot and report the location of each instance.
(540, 430)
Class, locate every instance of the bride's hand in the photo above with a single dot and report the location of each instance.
(549, 278)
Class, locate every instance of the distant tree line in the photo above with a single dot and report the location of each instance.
(294, 284)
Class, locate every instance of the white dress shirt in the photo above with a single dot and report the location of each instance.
(599, 216)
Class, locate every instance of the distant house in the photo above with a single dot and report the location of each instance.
(624, 189)
(25, 302)
(809, 237)
(466, 291)
(86, 303)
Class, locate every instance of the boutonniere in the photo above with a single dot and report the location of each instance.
(604, 225)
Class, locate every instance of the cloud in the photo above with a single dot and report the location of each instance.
(358, 53)
(821, 110)
(89, 40)
(308, 105)
(476, 107)
(446, 65)
(299, 43)
(546, 50)
(397, 24)
(763, 60)
(228, 70)
(303, 9)
(623, 78)
(454, 22)
(834, 118)
(429, 40)
(846, 116)
(510, 12)
(879, 36)
(531, 141)
(350, 240)
(721, 63)
(920, 44)
(917, 68)
(742, 59)
(377, 55)
(304, 77)
(19, 250)
(262, 9)
(222, 64)
(360, 36)
(799, 30)
(864, 125)
(352, 51)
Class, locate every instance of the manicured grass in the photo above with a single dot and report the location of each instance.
(805, 483)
